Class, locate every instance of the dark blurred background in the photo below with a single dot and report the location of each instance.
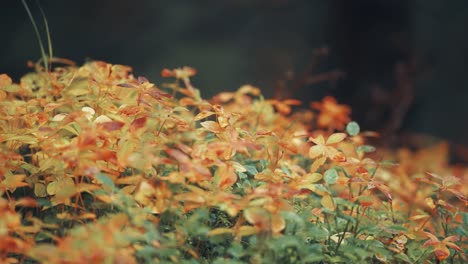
(400, 64)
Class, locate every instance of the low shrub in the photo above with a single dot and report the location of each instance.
(100, 166)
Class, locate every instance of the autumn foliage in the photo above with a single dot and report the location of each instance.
(100, 166)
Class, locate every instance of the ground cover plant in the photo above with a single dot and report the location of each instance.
(100, 166)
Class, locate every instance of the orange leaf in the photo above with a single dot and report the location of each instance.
(441, 252)
(167, 73)
(26, 202)
(5, 80)
(292, 102)
(87, 216)
(11, 182)
(339, 156)
(277, 223)
(258, 217)
(203, 114)
(187, 101)
(327, 202)
(227, 177)
(223, 97)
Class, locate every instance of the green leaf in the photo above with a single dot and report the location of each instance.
(387, 163)
(43, 202)
(236, 250)
(251, 169)
(313, 258)
(286, 170)
(105, 180)
(365, 148)
(398, 228)
(347, 218)
(330, 176)
(242, 175)
(465, 218)
(352, 128)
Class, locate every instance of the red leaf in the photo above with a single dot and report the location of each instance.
(138, 123)
(167, 73)
(126, 85)
(158, 94)
(111, 126)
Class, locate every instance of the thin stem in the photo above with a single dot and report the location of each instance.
(340, 240)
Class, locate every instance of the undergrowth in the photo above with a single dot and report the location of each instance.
(100, 166)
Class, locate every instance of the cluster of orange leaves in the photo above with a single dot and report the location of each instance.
(78, 123)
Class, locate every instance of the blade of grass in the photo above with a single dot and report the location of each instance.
(49, 40)
(38, 35)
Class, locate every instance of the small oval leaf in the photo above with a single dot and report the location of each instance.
(365, 148)
(353, 128)
(330, 176)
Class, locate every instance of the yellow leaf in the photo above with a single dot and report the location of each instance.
(430, 202)
(64, 215)
(418, 217)
(327, 202)
(335, 138)
(220, 231)
(47, 164)
(212, 126)
(59, 117)
(102, 119)
(318, 140)
(312, 177)
(316, 151)
(135, 179)
(72, 128)
(317, 163)
(190, 197)
(260, 201)
(246, 231)
(89, 112)
(238, 167)
(25, 139)
(312, 187)
(129, 189)
(78, 87)
(249, 89)
(52, 188)
(40, 190)
(337, 236)
(61, 187)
